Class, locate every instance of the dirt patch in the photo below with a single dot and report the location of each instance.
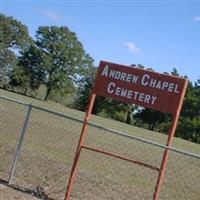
(8, 193)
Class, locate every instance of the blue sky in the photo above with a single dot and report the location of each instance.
(157, 34)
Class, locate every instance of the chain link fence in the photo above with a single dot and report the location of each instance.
(44, 161)
(11, 121)
(47, 150)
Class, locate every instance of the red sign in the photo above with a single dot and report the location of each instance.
(137, 86)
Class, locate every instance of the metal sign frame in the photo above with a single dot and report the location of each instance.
(173, 95)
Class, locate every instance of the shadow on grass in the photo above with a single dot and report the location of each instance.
(38, 192)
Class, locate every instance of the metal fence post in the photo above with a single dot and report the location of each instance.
(22, 133)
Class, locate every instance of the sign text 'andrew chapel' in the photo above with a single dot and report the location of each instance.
(142, 87)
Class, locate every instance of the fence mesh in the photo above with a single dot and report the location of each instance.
(48, 152)
(124, 146)
(182, 180)
(105, 177)
(12, 118)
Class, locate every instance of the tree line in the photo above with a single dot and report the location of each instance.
(54, 66)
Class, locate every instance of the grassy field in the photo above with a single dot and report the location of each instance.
(49, 147)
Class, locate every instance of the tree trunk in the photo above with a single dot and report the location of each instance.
(153, 126)
(47, 93)
(24, 91)
(197, 131)
(149, 126)
(128, 117)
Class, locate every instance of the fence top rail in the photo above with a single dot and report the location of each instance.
(145, 141)
(14, 100)
(58, 114)
(110, 131)
(43, 109)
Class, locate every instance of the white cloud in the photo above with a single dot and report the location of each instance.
(197, 18)
(132, 47)
(51, 14)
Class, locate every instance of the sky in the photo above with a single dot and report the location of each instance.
(159, 34)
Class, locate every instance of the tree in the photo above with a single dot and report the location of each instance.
(57, 59)
(175, 72)
(196, 112)
(14, 37)
(7, 61)
(149, 116)
(30, 71)
(20, 78)
(84, 91)
(13, 34)
(189, 125)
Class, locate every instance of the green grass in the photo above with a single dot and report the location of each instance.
(50, 144)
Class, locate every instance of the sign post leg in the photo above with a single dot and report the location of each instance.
(169, 144)
(165, 157)
(78, 150)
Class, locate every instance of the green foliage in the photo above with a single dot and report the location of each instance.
(175, 72)
(30, 71)
(189, 126)
(20, 78)
(84, 91)
(151, 117)
(8, 60)
(120, 116)
(57, 60)
(13, 35)
(189, 129)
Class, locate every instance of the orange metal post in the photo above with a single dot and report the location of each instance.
(78, 150)
(121, 157)
(169, 143)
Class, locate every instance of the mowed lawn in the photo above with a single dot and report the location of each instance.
(49, 147)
